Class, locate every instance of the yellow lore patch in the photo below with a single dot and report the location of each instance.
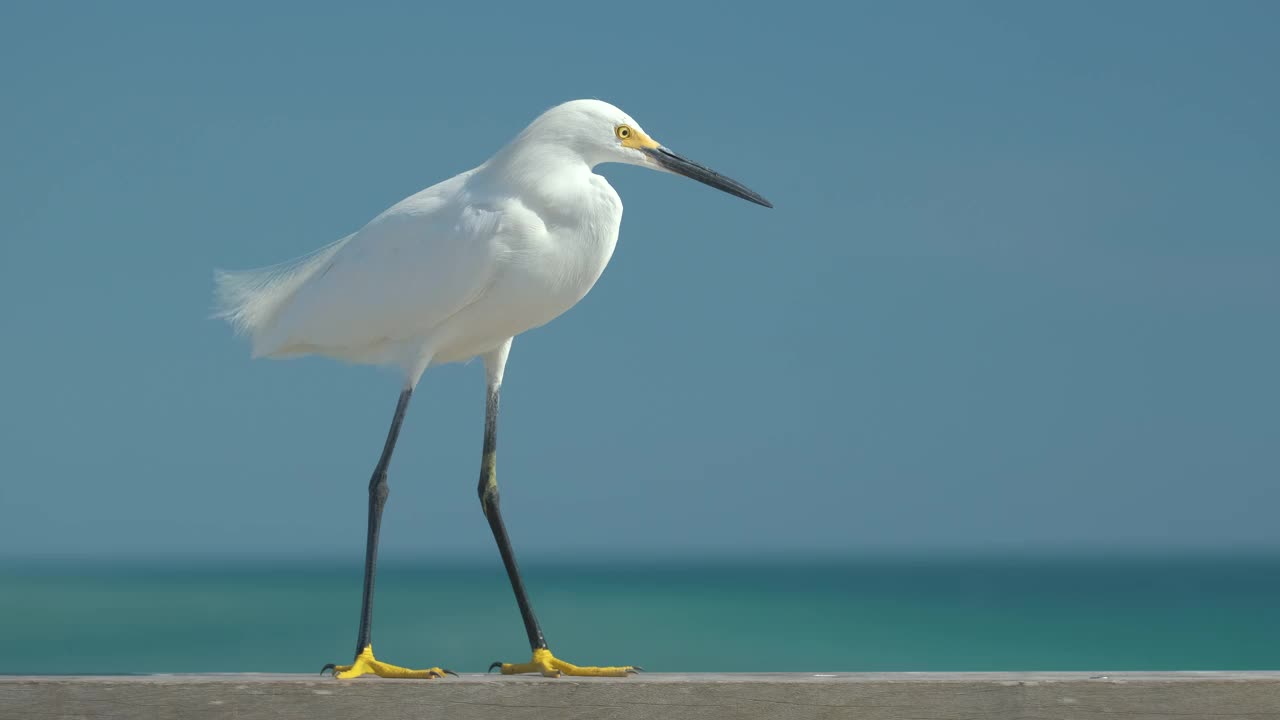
(635, 138)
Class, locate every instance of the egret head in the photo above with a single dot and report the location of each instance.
(600, 133)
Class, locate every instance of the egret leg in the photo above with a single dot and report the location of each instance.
(543, 661)
(489, 502)
(364, 662)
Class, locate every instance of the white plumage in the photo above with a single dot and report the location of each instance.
(452, 271)
(463, 266)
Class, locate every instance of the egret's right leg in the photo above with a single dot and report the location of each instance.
(543, 661)
(365, 663)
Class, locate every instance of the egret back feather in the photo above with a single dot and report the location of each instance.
(251, 300)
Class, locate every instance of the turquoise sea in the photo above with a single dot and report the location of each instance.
(1024, 613)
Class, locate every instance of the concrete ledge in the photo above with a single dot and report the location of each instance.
(784, 696)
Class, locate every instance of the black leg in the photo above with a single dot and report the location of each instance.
(488, 491)
(365, 663)
(542, 662)
(378, 492)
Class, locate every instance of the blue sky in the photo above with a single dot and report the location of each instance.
(1020, 289)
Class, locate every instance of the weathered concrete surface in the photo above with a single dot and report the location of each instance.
(781, 696)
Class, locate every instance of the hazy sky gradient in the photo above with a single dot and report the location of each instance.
(1020, 289)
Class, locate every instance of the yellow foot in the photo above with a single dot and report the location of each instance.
(365, 664)
(547, 664)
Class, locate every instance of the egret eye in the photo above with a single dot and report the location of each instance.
(623, 132)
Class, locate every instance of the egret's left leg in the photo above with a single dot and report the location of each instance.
(543, 661)
(364, 662)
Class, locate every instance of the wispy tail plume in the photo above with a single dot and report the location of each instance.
(252, 300)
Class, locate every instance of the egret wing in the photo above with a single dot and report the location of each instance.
(401, 275)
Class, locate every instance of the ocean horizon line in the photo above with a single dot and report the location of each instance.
(636, 558)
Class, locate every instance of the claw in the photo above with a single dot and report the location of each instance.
(450, 672)
(635, 669)
(495, 665)
(366, 664)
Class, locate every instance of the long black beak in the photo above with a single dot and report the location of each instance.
(690, 169)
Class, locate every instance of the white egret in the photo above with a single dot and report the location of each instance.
(456, 271)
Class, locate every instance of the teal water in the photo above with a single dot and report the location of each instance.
(890, 614)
